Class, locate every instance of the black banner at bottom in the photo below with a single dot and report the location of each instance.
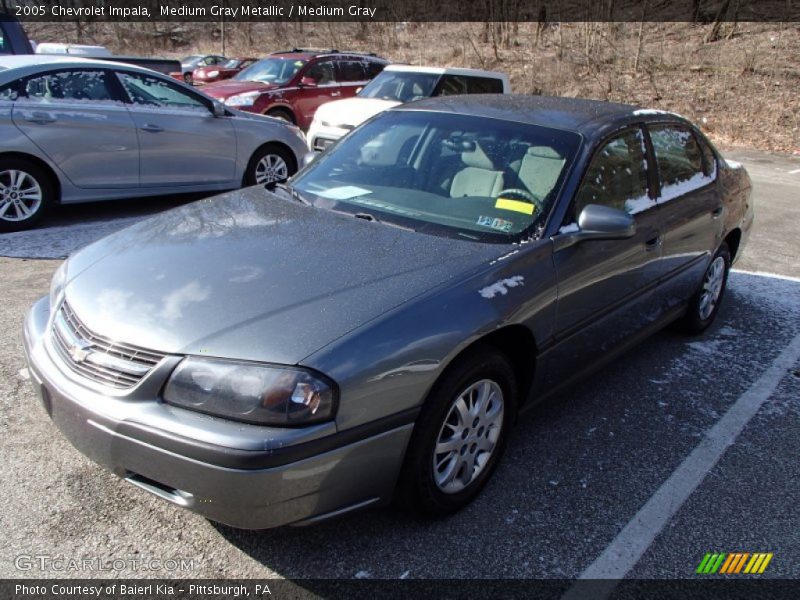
(221, 589)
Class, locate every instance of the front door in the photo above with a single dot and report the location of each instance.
(606, 288)
(181, 141)
(317, 85)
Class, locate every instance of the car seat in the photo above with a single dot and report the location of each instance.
(478, 177)
(539, 170)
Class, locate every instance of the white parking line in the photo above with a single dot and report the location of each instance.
(631, 543)
(794, 171)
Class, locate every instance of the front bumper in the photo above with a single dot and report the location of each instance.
(321, 137)
(242, 475)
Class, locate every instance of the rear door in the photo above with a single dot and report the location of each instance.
(77, 118)
(691, 207)
(181, 141)
(352, 77)
(607, 288)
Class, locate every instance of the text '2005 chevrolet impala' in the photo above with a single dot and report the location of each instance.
(373, 327)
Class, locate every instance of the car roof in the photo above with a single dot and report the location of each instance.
(590, 118)
(444, 70)
(22, 65)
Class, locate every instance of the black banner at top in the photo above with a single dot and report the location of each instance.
(404, 10)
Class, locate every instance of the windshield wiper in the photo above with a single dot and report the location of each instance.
(293, 194)
(374, 219)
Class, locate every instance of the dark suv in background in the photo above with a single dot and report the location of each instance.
(292, 84)
(13, 39)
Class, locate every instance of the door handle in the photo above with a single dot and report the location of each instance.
(653, 243)
(717, 212)
(42, 118)
(152, 128)
(335, 94)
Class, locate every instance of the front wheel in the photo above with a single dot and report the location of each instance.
(460, 435)
(26, 192)
(270, 164)
(704, 305)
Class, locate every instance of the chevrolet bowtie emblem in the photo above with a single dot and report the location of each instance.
(79, 351)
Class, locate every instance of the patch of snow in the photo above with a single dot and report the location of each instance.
(363, 575)
(571, 228)
(733, 164)
(501, 287)
(405, 574)
(643, 112)
(672, 191)
(640, 204)
(24, 373)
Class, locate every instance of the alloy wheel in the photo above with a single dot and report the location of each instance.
(271, 168)
(20, 195)
(468, 436)
(712, 287)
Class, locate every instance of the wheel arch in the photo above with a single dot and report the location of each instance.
(44, 165)
(282, 108)
(733, 240)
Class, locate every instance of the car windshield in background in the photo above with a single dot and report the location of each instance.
(400, 87)
(190, 61)
(232, 64)
(271, 70)
(454, 175)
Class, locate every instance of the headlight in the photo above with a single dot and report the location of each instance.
(57, 285)
(246, 99)
(251, 393)
(212, 74)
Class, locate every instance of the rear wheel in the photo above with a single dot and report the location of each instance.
(460, 434)
(26, 192)
(270, 163)
(704, 305)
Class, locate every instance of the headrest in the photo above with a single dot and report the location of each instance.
(543, 152)
(477, 158)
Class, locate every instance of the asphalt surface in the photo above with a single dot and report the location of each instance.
(577, 474)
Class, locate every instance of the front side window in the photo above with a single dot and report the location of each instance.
(445, 174)
(145, 90)
(400, 87)
(617, 176)
(271, 70)
(321, 73)
(679, 159)
(69, 86)
(8, 92)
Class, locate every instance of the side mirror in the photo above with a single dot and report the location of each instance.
(308, 158)
(218, 110)
(308, 82)
(597, 222)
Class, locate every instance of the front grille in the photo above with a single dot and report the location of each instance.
(97, 357)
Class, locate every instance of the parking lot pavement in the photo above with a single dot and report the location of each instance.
(578, 472)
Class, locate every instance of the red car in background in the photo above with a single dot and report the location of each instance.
(292, 84)
(212, 73)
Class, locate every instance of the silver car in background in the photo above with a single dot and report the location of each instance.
(79, 130)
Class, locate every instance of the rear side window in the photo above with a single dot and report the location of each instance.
(679, 159)
(484, 85)
(8, 92)
(617, 176)
(351, 70)
(69, 86)
(709, 159)
(373, 68)
(451, 85)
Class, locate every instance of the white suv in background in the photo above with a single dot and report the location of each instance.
(398, 84)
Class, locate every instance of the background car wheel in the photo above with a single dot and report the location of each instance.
(26, 192)
(704, 305)
(282, 114)
(270, 163)
(187, 78)
(460, 434)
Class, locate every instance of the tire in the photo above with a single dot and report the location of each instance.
(704, 305)
(270, 163)
(438, 482)
(282, 114)
(187, 78)
(38, 194)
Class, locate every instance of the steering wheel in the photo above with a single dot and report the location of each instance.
(520, 194)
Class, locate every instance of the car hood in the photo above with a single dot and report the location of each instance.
(225, 89)
(254, 276)
(352, 111)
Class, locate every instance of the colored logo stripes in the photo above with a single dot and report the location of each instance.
(732, 563)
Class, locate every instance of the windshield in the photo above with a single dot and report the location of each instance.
(190, 60)
(232, 63)
(445, 174)
(271, 70)
(400, 87)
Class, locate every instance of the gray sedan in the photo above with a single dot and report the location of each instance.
(374, 327)
(78, 130)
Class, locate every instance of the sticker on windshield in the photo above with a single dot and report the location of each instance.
(494, 223)
(519, 206)
(344, 192)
